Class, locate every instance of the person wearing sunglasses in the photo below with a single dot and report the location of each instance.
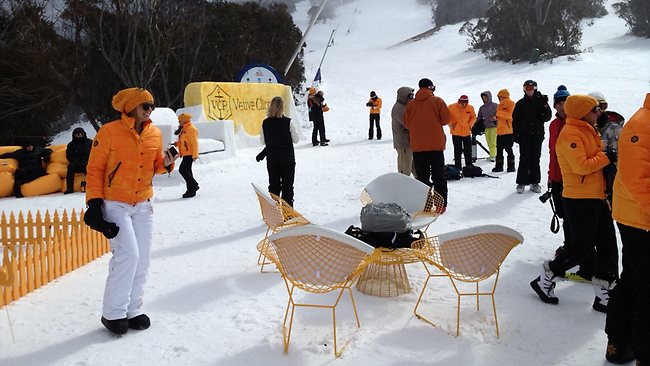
(581, 159)
(125, 156)
(528, 118)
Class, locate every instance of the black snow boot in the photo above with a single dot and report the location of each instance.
(498, 167)
(117, 326)
(140, 322)
(511, 164)
(619, 352)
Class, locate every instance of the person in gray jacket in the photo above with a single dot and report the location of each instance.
(487, 114)
(400, 133)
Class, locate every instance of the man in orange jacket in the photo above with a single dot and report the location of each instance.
(424, 117)
(125, 155)
(462, 120)
(375, 108)
(628, 315)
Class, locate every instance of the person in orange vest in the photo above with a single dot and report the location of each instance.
(462, 120)
(628, 313)
(188, 148)
(375, 108)
(125, 156)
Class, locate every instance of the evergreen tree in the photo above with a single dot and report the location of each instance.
(30, 53)
(637, 16)
(515, 31)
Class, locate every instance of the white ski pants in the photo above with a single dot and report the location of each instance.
(131, 248)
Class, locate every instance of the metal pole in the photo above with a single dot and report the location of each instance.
(302, 40)
(329, 43)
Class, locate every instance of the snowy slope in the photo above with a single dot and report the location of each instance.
(210, 305)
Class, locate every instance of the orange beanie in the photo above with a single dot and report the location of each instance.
(578, 105)
(184, 117)
(127, 100)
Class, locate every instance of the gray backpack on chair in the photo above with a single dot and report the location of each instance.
(385, 217)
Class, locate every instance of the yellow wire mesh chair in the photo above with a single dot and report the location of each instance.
(470, 256)
(8, 277)
(318, 260)
(277, 214)
(422, 202)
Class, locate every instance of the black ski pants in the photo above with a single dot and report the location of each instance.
(591, 225)
(530, 151)
(186, 172)
(281, 177)
(374, 121)
(628, 310)
(462, 148)
(430, 170)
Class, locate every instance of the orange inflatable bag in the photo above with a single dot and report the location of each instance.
(44, 185)
(6, 184)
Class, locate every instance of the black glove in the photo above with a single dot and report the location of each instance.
(612, 155)
(369, 104)
(94, 217)
(261, 155)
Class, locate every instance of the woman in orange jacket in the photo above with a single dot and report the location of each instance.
(504, 131)
(628, 315)
(188, 148)
(125, 155)
(581, 158)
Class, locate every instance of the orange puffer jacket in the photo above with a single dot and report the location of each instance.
(122, 163)
(462, 119)
(581, 157)
(504, 116)
(424, 117)
(631, 187)
(188, 141)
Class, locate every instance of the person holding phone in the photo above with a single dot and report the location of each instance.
(125, 156)
(188, 150)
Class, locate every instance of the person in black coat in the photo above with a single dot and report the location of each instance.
(317, 106)
(528, 118)
(77, 153)
(279, 135)
(30, 164)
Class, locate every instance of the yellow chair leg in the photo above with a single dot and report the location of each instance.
(424, 288)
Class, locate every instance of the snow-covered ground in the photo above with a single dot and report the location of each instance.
(207, 299)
